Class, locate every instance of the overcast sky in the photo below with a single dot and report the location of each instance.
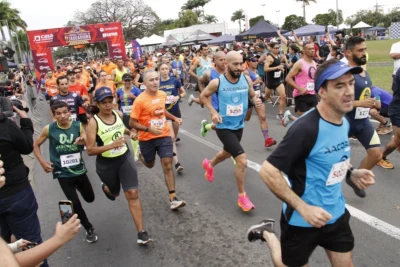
(42, 14)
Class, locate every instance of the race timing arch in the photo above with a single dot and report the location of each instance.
(41, 41)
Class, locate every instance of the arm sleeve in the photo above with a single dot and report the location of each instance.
(23, 137)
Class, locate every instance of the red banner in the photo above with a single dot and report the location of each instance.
(42, 40)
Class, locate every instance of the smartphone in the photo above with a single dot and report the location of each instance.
(66, 210)
(29, 246)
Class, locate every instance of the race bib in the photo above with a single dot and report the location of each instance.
(338, 172)
(362, 113)
(277, 74)
(126, 109)
(310, 86)
(179, 72)
(70, 160)
(117, 150)
(234, 110)
(72, 117)
(53, 91)
(157, 123)
(170, 99)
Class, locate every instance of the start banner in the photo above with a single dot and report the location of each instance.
(41, 41)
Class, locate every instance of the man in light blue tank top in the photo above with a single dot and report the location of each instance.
(202, 64)
(234, 90)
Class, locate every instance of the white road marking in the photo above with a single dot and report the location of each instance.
(372, 221)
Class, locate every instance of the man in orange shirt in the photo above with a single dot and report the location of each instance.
(108, 67)
(58, 72)
(78, 88)
(50, 85)
(81, 78)
(148, 117)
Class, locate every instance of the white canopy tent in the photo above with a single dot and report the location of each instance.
(344, 26)
(152, 40)
(362, 25)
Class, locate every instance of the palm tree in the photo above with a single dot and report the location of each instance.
(202, 3)
(238, 15)
(305, 3)
(210, 19)
(22, 42)
(10, 15)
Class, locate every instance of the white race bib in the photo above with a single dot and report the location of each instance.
(126, 109)
(310, 86)
(362, 113)
(70, 160)
(277, 74)
(170, 99)
(72, 117)
(157, 123)
(117, 150)
(53, 91)
(234, 110)
(338, 172)
(179, 72)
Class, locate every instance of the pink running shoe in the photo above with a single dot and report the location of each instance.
(209, 174)
(245, 203)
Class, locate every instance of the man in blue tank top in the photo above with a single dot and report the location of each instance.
(234, 90)
(202, 64)
(314, 212)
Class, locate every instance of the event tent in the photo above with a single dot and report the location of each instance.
(12, 65)
(377, 28)
(197, 36)
(170, 41)
(221, 40)
(152, 40)
(361, 25)
(311, 29)
(344, 26)
(261, 29)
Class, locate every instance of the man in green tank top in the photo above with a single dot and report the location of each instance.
(116, 74)
(66, 141)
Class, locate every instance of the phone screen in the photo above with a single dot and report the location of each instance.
(66, 211)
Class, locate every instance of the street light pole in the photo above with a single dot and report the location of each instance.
(263, 5)
(277, 11)
(11, 40)
(337, 14)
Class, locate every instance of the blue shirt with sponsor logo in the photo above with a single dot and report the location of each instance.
(171, 88)
(314, 154)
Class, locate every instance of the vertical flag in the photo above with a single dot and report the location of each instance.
(136, 50)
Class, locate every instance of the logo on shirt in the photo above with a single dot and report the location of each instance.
(336, 148)
(159, 111)
(366, 93)
(116, 136)
(235, 98)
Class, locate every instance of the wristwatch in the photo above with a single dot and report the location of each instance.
(147, 129)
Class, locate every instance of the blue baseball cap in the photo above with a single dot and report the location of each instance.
(102, 93)
(335, 71)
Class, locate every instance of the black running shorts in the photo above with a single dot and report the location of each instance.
(162, 146)
(298, 243)
(365, 133)
(304, 103)
(231, 141)
(83, 118)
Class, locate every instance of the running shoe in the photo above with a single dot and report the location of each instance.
(385, 130)
(379, 127)
(91, 236)
(359, 192)
(270, 142)
(286, 118)
(245, 203)
(143, 238)
(177, 139)
(209, 174)
(190, 100)
(386, 164)
(203, 130)
(112, 198)
(255, 232)
(178, 168)
(279, 117)
(268, 100)
(176, 204)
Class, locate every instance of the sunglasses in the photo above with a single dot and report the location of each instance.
(127, 80)
(254, 60)
(77, 72)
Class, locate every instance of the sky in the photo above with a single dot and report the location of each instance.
(43, 14)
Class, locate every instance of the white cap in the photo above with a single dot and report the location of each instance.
(159, 54)
(240, 51)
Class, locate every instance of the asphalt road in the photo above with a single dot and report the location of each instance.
(211, 229)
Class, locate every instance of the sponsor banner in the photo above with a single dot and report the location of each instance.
(136, 50)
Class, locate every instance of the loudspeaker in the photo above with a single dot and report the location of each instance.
(3, 64)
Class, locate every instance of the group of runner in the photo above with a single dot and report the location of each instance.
(149, 115)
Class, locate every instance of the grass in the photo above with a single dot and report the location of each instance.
(381, 76)
(378, 51)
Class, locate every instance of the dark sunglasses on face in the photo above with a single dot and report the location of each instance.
(254, 60)
(127, 80)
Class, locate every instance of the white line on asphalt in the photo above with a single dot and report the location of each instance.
(372, 221)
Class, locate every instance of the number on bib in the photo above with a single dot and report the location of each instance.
(310, 86)
(117, 150)
(126, 109)
(362, 113)
(70, 160)
(338, 172)
(157, 123)
(277, 74)
(234, 110)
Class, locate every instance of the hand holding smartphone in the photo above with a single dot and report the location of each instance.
(66, 210)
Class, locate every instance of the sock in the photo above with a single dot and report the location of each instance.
(208, 126)
(265, 133)
(135, 146)
(171, 195)
(242, 195)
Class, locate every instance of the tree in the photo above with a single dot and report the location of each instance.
(371, 17)
(10, 15)
(210, 19)
(186, 18)
(254, 20)
(238, 16)
(197, 6)
(137, 18)
(328, 18)
(293, 22)
(305, 3)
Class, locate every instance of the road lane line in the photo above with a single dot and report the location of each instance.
(372, 221)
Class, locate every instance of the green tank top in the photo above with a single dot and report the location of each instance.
(118, 76)
(65, 156)
(108, 133)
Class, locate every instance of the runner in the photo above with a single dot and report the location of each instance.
(66, 140)
(115, 165)
(178, 66)
(200, 65)
(261, 112)
(360, 125)
(273, 66)
(108, 67)
(148, 117)
(125, 98)
(116, 74)
(175, 91)
(301, 77)
(50, 85)
(80, 89)
(380, 112)
(234, 90)
(394, 113)
(73, 100)
(314, 212)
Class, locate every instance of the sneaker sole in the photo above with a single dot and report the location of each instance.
(205, 174)
(183, 204)
(90, 242)
(271, 144)
(179, 169)
(259, 225)
(356, 189)
(246, 210)
(112, 198)
(385, 167)
(141, 242)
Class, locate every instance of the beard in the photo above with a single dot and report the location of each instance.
(234, 74)
(360, 60)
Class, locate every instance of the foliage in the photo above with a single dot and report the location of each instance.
(254, 20)
(238, 16)
(210, 19)
(186, 18)
(305, 3)
(375, 17)
(293, 22)
(197, 6)
(328, 18)
(10, 15)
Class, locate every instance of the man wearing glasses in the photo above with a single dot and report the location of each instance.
(76, 87)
